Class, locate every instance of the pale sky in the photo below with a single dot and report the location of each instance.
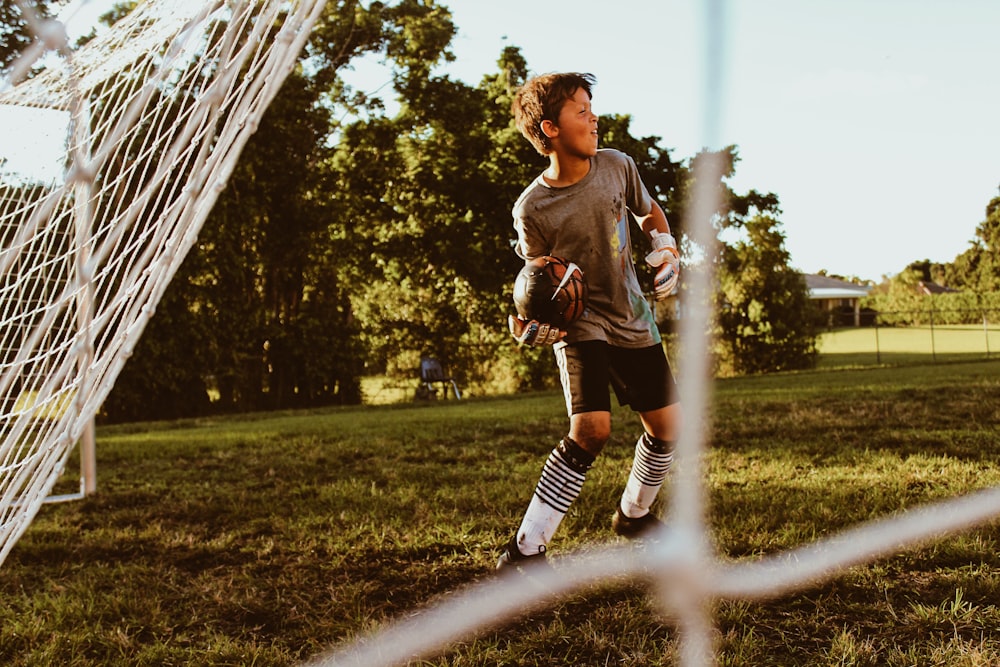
(874, 121)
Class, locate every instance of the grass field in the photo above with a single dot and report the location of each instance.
(868, 346)
(265, 539)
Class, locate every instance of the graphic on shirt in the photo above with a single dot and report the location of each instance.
(619, 231)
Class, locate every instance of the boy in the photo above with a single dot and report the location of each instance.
(578, 209)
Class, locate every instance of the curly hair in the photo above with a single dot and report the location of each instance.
(541, 98)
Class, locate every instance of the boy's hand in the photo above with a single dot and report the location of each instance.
(664, 249)
(665, 281)
(665, 256)
(533, 332)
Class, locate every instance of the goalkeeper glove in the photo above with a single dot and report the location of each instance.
(533, 332)
(666, 257)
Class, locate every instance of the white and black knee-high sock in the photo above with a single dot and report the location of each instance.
(559, 485)
(653, 458)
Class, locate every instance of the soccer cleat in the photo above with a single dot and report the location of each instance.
(513, 561)
(643, 527)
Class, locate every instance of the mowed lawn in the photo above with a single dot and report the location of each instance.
(868, 346)
(267, 539)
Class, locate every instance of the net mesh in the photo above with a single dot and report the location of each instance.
(144, 126)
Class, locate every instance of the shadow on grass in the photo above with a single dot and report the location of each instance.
(838, 360)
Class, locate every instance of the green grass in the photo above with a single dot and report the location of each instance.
(266, 539)
(868, 346)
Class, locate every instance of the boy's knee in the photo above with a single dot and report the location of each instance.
(577, 457)
(592, 442)
(656, 445)
(591, 432)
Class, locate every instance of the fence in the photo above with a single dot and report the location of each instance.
(913, 336)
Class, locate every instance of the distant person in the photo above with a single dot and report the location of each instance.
(578, 209)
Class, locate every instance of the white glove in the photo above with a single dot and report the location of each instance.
(665, 256)
(664, 249)
(665, 281)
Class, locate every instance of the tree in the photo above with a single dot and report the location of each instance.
(433, 185)
(15, 35)
(265, 305)
(765, 318)
(165, 377)
(978, 268)
(765, 321)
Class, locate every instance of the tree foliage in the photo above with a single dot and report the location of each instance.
(272, 325)
(978, 268)
(423, 200)
(15, 34)
(765, 321)
(340, 249)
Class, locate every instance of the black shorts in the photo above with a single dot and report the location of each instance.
(640, 377)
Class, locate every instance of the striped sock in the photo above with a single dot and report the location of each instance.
(559, 485)
(650, 466)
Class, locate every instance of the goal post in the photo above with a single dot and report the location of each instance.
(94, 226)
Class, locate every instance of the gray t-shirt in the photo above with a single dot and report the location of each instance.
(587, 223)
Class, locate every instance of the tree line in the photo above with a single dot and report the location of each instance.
(351, 241)
(344, 249)
(975, 270)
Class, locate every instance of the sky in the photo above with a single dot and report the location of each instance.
(874, 121)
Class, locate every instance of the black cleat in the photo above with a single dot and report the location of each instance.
(513, 561)
(643, 527)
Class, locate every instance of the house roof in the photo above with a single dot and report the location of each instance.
(825, 287)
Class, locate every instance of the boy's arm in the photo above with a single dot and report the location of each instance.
(656, 221)
(664, 255)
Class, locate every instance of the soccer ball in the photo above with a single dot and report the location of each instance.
(551, 290)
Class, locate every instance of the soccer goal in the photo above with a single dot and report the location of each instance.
(114, 153)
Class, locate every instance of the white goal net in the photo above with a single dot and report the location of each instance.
(113, 155)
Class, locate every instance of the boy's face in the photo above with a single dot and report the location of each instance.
(577, 133)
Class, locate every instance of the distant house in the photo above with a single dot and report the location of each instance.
(835, 297)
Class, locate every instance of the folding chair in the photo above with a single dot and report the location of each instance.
(431, 372)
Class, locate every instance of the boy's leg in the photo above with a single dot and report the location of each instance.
(650, 467)
(559, 485)
(654, 456)
(642, 379)
(583, 374)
